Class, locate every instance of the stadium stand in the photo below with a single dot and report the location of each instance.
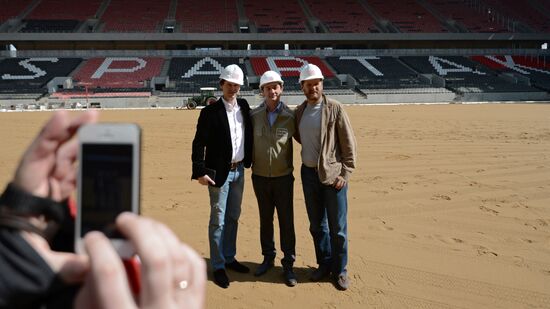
(473, 18)
(190, 74)
(64, 9)
(135, 15)
(59, 15)
(346, 16)
(289, 68)
(381, 75)
(118, 73)
(522, 11)
(20, 75)
(284, 16)
(407, 15)
(462, 75)
(536, 69)
(10, 9)
(197, 16)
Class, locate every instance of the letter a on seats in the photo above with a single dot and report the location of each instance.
(457, 68)
(194, 70)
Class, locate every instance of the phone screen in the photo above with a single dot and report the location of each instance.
(106, 186)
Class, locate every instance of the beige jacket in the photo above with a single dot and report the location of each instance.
(338, 145)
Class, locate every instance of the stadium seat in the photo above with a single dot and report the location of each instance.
(345, 16)
(537, 69)
(11, 9)
(190, 74)
(19, 75)
(196, 16)
(135, 16)
(118, 72)
(284, 16)
(522, 11)
(407, 15)
(289, 68)
(463, 75)
(469, 15)
(64, 9)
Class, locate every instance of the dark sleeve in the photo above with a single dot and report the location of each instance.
(26, 281)
(248, 134)
(199, 145)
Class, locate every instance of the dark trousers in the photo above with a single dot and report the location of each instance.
(327, 209)
(276, 193)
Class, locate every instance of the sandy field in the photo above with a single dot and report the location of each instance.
(449, 207)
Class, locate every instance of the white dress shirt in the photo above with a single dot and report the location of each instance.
(236, 127)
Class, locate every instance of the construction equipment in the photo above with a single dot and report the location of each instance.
(206, 97)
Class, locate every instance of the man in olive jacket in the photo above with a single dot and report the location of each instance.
(272, 179)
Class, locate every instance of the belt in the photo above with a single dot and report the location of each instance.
(233, 165)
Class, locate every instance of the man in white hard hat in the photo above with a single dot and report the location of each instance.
(328, 158)
(222, 148)
(272, 179)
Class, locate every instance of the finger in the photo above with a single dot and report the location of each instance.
(194, 295)
(65, 170)
(107, 277)
(70, 267)
(154, 254)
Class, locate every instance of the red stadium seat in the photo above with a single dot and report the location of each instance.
(284, 16)
(65, 9)
(471, 17)
(10, 9)
(118, 72)
(135, 15)
(408, 15)
(197, 16)
(346, 16)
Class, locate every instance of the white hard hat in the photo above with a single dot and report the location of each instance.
(270, 77)
(310, 71)
(233, 74)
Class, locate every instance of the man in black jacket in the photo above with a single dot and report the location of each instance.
(222, 148)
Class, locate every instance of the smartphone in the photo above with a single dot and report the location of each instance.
(108, 180)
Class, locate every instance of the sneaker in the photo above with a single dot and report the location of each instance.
(238, 267)
(266, 265)
(320, 273)
(342, 282)
(220, 278)
(290, 277)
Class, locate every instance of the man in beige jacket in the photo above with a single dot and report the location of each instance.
(328, 158)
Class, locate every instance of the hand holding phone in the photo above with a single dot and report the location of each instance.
(108, 180)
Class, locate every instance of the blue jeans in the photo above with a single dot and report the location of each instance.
(327, 210)
(225, 209)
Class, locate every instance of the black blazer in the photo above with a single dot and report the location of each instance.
(212, 143)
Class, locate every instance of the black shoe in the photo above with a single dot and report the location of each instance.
(238, 267)
(341, 282)
(290, 277)
(320, 273)
(266, 265)
(220, 278)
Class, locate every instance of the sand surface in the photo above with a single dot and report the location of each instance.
(449, 207)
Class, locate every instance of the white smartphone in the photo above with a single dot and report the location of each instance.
(108, 180)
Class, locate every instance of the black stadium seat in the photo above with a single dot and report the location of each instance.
(22, 74)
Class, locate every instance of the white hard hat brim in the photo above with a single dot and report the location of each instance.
(234, 81)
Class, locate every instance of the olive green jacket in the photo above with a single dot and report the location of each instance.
(272, 146)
